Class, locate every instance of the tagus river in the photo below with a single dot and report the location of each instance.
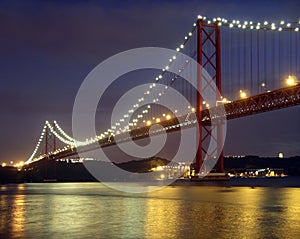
(91, 210)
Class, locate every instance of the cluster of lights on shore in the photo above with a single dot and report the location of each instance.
(18, 165)
(117, 128)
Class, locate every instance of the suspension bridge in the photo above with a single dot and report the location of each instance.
(254, 66)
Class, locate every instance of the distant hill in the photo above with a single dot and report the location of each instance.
(70, 172)
(143, 166)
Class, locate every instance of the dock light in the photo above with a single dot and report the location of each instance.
(291, 80)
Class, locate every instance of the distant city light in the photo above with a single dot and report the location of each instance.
(19, 164)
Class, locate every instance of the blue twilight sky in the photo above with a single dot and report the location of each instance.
(48, 47)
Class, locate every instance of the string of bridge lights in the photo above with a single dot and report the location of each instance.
(58, 136)
(37, 145)
(264, 25)
(158, 78)
(250, 25)
(65, 138)
(68, 137)
(46, 125)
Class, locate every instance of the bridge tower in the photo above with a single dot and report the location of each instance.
(209, 57)
(50, 146)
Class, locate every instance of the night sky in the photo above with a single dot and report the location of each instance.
(48, 47)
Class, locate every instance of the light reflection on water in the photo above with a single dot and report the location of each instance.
(81, 210)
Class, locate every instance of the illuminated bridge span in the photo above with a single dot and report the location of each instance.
(259, 68)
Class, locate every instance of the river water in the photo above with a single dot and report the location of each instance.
(91, 210)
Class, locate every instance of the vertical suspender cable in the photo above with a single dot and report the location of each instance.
(251, 67)
(273, 58)
(258, 48)
(265, 59)
(231, 65)
(296, 50)
(244, 46)
(239, 58)
(290, 53)
(279, 58)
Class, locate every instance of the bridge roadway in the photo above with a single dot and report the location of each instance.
(269, 101)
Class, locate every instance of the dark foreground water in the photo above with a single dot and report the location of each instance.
(91, 210)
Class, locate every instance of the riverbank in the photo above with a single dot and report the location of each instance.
(63, 171)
